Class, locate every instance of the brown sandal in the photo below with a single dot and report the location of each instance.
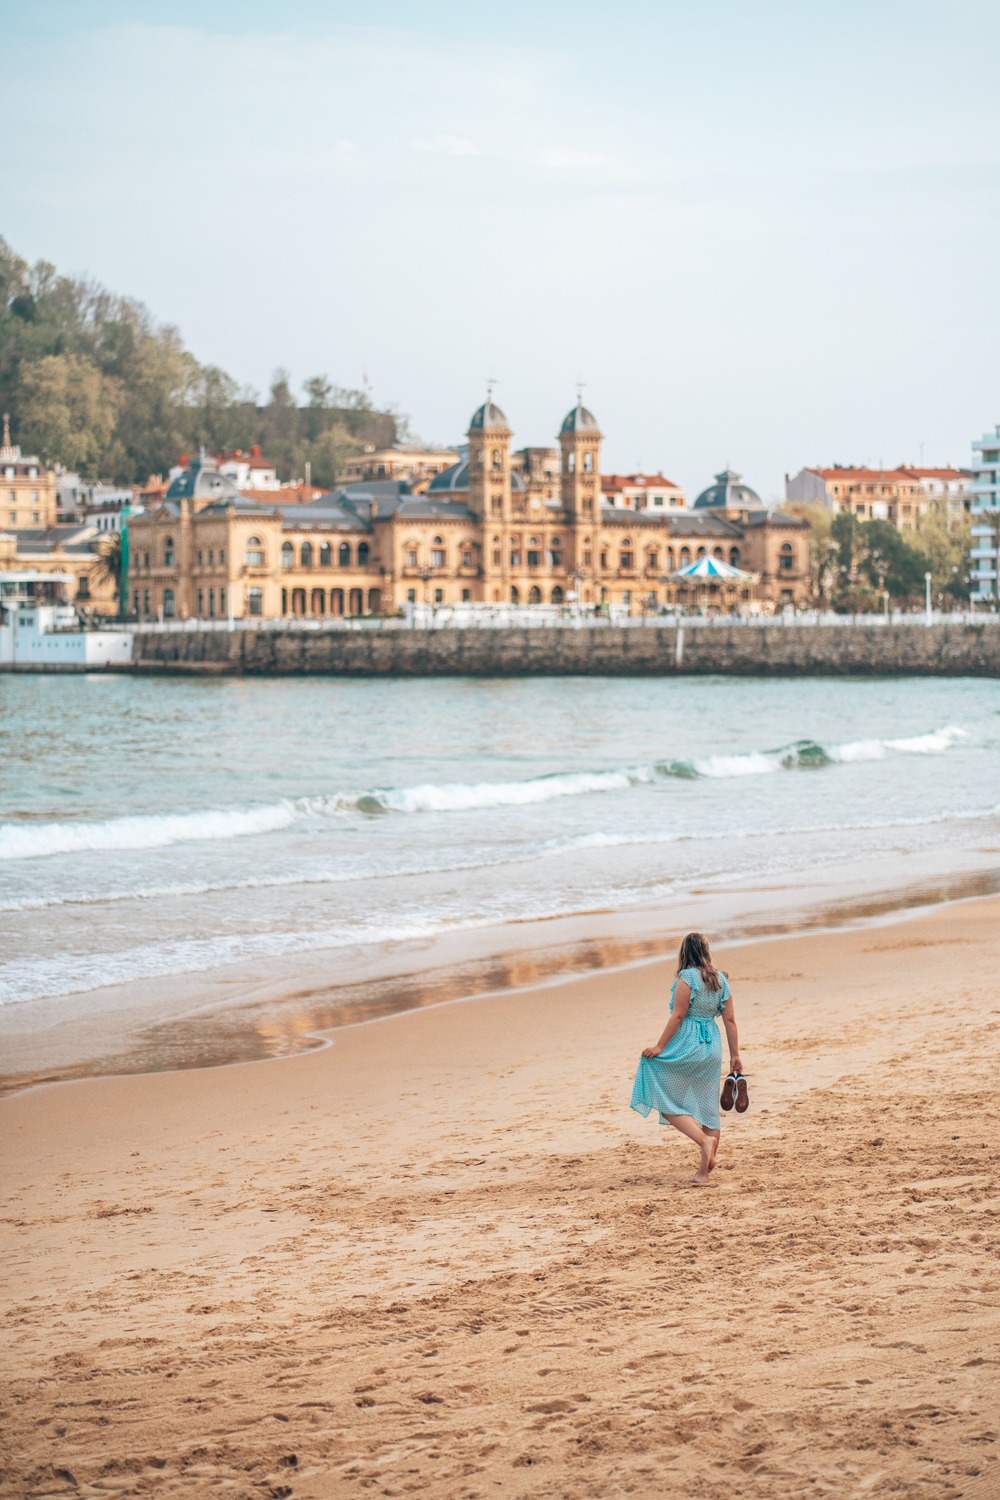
(742, 1095)
(728, 1098)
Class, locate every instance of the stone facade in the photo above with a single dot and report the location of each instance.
(498, 526)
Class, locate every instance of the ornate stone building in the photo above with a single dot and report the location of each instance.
(495, 527)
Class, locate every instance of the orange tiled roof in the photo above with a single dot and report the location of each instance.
(637, 481)
(862, 476)
(936, 473)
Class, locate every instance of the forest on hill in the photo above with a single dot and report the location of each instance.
(93, 382)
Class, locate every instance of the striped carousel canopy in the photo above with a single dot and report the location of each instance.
(711, 569)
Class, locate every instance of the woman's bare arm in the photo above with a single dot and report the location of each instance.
(682, 999)
(729, 1020)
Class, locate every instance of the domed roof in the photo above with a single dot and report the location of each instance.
(579, 420)
(727, 493)
(489, 416)
(201, 480)
(457, 479)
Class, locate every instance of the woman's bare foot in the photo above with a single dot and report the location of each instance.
(700, 1178)
(715, 1152)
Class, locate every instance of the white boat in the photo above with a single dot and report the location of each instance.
(41, 630)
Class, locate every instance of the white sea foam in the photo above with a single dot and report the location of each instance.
(35, 839)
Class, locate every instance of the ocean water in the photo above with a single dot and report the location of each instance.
(167, 829)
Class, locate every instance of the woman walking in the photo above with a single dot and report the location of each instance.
(679, 1077)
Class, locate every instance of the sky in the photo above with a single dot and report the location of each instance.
(763, 233)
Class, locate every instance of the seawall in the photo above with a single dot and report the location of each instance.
(944, 650)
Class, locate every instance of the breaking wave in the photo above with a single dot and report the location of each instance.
(32, 839)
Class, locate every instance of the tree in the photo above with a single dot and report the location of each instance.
(108, 567)
(944, 541)
(68, 411)
(888, 560)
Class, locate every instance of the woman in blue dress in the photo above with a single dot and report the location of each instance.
(679, 1077)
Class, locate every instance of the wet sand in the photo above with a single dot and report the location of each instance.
(442, 1257)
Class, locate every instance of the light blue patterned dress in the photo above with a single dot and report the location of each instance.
(683, 1079)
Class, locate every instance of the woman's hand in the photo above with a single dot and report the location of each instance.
(651, 1051)
(735, 1065)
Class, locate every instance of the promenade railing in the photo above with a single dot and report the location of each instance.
(444, 619)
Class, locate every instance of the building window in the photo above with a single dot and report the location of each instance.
(344, 555)
(222, 557)
(587, 555)
(786, 558)
(168, 604)
(466, 595)
(497, 557)
(588, 463)
(534, 557)
(652, 558)
(201, 602)
(555, 555)
(734, 557)
(211, 604)
(467, 557)
(145, 559)
(439, 596)
(222, 601)
(557, 595)
(306, 554)
(626, 558)
(364, 553)
(534, 594)
(437, 557)
(496, 505)
(254, 554)
(411, 596)
(287, 555)
(145, 602)
(604, 560)
(135, 601)
(497, 458)
(168, 552)
(685, 556)
(325, 555)
(199, 557)
(515, 595)
(211, 557)
(255, 601)
(515, 552)
(411, 557)
(717, 552)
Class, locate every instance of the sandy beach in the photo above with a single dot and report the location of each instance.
(441, 1256)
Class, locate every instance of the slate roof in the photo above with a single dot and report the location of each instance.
(729, 493)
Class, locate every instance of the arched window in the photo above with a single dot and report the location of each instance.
(571, 464)
(344, 555)
(671, 559)
(685, 556)
(557, 595)
(717, 552)
(168, 552)
(318, 602)
(534, 594)
(363, 554)
(468, 555)
(253, 556)
(534, 558)
(588, 463)
(325, 555)
(437, 552)
(411, 554)
(497, 458)
(786, 557)
(287, 555)
(168, 604)
(626, 558)
(700, 552)
(306, 554)
(734, 557)
(515, 594)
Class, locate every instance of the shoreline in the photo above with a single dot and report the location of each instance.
(443, 1250)
(226, 1022)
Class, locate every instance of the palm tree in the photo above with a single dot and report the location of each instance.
(108, 565)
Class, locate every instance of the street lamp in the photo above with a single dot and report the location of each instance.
(927, 598)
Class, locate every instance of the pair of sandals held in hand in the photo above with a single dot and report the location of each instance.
(735, 1092)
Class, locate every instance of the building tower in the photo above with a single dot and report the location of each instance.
(580, 445)
(490, 494)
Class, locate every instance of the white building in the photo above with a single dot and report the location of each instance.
(248, 471)
(986, 516)
(642, 492)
